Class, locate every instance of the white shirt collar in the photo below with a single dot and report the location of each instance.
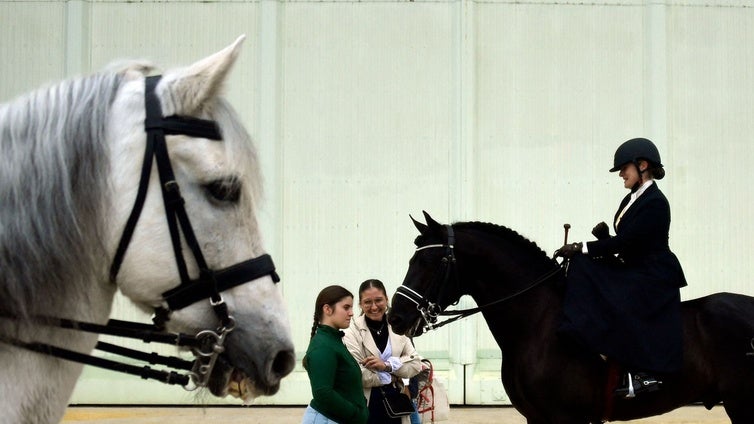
(642, 189)
(635, 195)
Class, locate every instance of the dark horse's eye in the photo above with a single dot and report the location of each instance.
(225, 190)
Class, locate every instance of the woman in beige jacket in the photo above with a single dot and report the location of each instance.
(385, 358)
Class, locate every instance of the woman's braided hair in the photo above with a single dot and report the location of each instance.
(330, 295)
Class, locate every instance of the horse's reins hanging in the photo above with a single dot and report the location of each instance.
(207, 345)
(430, 310)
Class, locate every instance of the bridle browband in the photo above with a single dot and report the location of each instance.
(206, 345)
(430, 309)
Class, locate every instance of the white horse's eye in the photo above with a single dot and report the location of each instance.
(225, 190)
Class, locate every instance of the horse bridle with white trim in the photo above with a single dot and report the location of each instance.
(430, 309)
(207, 345)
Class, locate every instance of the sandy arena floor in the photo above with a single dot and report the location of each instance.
(292, 415)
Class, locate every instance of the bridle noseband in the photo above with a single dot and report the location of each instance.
(430, 309)
(207, 345)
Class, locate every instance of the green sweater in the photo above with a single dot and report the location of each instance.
(335, 378)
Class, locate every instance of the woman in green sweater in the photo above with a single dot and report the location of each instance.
(334, 375)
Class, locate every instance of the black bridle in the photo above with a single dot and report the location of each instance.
(430, 309)
(210, 282)
(206, 345)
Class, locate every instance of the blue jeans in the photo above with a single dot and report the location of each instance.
(312, 416)
(415, 417)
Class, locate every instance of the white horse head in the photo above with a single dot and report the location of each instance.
(69, 177)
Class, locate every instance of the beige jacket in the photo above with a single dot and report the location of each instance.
(360, 343)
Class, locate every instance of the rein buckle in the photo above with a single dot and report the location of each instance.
(211, 347)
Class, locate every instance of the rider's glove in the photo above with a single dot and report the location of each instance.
(568, 250)
(601, 231)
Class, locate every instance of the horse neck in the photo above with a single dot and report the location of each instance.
(35, 387)
(51, 249)
(500, 273)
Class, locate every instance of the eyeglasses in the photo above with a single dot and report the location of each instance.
(377, 301)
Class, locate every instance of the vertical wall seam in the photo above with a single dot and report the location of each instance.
(268, 70)
(461, 196)
(656, 73)
(77, 38)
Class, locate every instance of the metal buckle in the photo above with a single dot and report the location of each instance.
(211, 347)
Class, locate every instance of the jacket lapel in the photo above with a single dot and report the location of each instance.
(648, 194)
(370, 346)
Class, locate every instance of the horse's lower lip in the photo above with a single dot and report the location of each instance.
(239, 385)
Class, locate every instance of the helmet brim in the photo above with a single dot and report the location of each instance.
(618, 167)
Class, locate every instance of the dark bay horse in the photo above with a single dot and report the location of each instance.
(549, 378)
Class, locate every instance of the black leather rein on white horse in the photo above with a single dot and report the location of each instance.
(134, 330)
(207, 345)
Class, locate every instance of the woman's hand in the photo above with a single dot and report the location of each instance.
(569, 250)
(601, 231)
(375, 364)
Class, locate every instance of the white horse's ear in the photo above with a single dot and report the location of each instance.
(194, 85)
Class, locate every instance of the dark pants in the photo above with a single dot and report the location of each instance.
(625, 313)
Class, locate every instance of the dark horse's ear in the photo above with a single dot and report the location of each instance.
(430, 222)
(419, 226)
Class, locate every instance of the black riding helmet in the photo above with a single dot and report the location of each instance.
(633, 150)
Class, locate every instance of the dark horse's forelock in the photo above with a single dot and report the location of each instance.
(54, 170)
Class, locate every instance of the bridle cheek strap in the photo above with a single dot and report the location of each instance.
(428, 308)
(210, 283)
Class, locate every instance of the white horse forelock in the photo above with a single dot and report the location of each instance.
(53, 186)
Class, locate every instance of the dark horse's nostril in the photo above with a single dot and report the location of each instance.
(283, 363)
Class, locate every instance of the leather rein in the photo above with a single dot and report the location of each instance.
(430, 309)
(206, 345)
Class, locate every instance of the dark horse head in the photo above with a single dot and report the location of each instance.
(547, 377)
(439, 274)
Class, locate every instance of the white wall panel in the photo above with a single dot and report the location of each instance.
(710, 85)
(366, 131)
(501, 111)
(31, 45)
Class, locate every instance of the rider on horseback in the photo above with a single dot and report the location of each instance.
(622, 298)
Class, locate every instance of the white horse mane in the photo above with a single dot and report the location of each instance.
(58, 132)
